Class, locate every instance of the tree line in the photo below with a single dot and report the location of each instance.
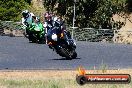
(10, 10)
(89, 13)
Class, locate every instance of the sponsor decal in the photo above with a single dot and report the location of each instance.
(83, 78)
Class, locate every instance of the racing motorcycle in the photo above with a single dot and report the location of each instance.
(59, 41)
(35, 35)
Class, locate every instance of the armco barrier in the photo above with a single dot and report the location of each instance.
(11, 28)
(92, 34)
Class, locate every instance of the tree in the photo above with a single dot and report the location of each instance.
(129, 5)
(89, 13)
(11, 9)
(28, 1)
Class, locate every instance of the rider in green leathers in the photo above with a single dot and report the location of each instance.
(37, 27)
(34, 28)
(27, 20)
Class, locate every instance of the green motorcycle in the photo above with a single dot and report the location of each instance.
(36, 33)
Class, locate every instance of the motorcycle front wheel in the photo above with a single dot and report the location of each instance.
(67, 53)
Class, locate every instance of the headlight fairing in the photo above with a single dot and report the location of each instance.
(54, 37)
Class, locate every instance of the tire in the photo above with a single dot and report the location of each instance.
(26, 35)
(42, 40)
(74, 54)
(81, 80)
(32, 39)
(64, 53)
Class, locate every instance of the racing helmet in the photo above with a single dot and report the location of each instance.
(25, 13)
(47, 16)
(37, 19)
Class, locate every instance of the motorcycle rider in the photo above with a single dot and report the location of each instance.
(37, 28)
(51, 21)
(27, 20)
(37, 23)
(48, 24)
(60, 21)
(31, 22)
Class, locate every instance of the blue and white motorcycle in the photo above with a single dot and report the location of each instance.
(59, 41)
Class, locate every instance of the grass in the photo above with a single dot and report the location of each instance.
(53, 83)
(11, 83)
(54, 79)
(103, 67)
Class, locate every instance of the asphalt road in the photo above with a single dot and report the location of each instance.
(17, 53)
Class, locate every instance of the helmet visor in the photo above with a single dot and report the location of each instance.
(25, 14)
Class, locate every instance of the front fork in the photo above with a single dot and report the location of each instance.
(46, 31)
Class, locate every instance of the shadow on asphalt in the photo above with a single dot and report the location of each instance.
(65, 59)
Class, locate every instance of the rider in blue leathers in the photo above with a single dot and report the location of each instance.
(51, 21)
(48, 24)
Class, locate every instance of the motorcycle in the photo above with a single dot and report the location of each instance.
(59, 41)
(34, 34)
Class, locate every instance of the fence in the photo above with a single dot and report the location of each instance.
(79, 34)
(92, 34)
(10, 28)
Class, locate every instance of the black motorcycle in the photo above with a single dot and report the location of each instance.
(59, 41)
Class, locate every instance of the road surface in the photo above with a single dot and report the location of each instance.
(17, 53)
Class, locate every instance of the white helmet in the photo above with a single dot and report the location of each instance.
(25, 13)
